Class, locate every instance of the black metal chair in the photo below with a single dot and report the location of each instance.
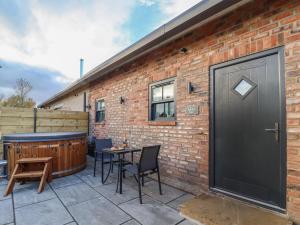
(91, 145)
(3, 164)
(101, 144)
(147, 165)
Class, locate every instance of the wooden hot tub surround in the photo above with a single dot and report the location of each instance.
(68, 150)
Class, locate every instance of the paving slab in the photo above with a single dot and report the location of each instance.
(85, 172)
(2, 190)
(3, 181)
(217, 210)
(131, 222)
(187, 222)
(20, 185)
(95, 181)
(29, 195)
(179, 201)
(98, 211)
(65, 181)
(72, 223)
(50, 212)
(169, 193)
(151, 212)
(129, 180)
(6, 211)
(76, 193)
(109, 191)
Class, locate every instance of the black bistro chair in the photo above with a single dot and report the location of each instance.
(3, 165)
(147, 165)
(101, 144)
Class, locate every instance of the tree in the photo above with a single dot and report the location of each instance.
(20, 99)
(22, 88)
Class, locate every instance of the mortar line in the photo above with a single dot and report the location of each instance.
(111, 202)
(64, 205)
(13, 206)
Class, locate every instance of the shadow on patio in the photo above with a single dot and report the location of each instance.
(82, 199)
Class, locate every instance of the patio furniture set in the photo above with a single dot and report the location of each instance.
(147, 165)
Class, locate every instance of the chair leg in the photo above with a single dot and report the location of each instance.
(111, 164)
(95, 164)
(159, 184)
(143, 182)
(140, 189)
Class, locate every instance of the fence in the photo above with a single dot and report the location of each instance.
(24, 120)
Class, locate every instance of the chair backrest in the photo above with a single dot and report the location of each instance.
(91, 140)
(148, 160)
(103, 143)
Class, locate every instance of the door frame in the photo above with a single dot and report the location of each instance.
(279, 51)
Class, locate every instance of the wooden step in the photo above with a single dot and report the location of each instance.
(34, 160)
(29, 174)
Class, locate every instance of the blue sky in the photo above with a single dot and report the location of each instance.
(43, 40)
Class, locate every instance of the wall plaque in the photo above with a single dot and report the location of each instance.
(192, 109)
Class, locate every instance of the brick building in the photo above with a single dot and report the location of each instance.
(219, 88)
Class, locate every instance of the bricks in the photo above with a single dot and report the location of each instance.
(258, 26)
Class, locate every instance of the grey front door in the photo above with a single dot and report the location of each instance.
(248, 129)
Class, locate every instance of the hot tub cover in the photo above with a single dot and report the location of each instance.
(32, 137)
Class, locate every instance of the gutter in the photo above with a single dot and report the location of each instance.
(196, 16)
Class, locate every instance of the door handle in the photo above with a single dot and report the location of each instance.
(274, 130)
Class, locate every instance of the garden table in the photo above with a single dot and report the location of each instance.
(120, 156)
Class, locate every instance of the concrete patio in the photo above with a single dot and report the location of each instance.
(82, 199)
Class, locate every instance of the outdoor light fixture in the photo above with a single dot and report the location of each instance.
(190, 88)
(122, 100)
(183, 50)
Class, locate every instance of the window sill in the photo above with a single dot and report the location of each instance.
(162, 123)
(100, 123)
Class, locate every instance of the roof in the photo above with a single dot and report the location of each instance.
(199, 14)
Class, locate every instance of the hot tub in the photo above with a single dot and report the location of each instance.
(68, 150)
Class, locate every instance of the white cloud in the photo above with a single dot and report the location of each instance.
(59, 33)
(148, 2)
(173, 8)
(58, 39)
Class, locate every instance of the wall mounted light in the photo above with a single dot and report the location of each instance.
(122, 100)
(183, 50)
(190, 88)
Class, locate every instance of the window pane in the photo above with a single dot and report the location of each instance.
(157, 94)
(170, 110)
(100, 116)
(100, 105)
(168, 91)
(97, 116)
(159, 110)
(163, 110)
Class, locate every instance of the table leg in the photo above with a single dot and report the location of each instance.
(120, 172)
(132, 157)
(102, 168)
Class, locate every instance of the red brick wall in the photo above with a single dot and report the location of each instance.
(257, 26)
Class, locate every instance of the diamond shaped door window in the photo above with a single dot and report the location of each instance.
(243, 87)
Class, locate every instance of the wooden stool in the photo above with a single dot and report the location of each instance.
(18, 173)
